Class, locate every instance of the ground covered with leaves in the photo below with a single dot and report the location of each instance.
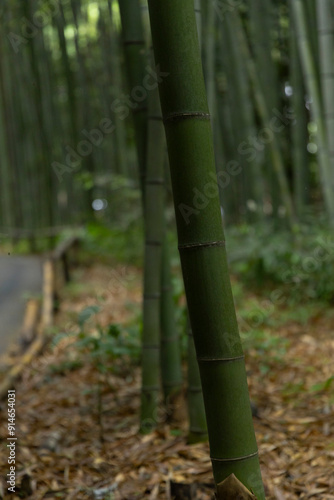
(77, 422)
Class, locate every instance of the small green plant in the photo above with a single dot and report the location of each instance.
(105, 345)
(114, 241)
(323, 386)
(300, 263)
(66, 366)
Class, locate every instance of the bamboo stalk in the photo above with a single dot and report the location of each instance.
(201, 244)
(310, 74)
(153, 215)
(299, 131)
(198, 431)
(326, 49)
(134, 50)
(259, 95)
(171, 369)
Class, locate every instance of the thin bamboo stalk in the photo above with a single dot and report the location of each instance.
(299, 132)
(310, 74)
(153, 214)
(259, 95)
(171, 369)
(134, 49)
(198, 431)
(326, 49)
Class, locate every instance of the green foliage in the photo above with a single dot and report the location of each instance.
(86, 314)
(301, 264)
(292, 389)
(268, 346)
(65, 366)
(176, 432)
(106, 345)
(323, 386)
(25, 245)
(255, 312)
(114, 242)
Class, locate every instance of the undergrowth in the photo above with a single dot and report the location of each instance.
(299, 262)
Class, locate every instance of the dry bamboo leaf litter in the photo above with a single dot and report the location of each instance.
(70, 451)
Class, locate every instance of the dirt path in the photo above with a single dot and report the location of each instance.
(19, 276)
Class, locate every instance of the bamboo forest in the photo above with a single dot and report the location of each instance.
(167, 249)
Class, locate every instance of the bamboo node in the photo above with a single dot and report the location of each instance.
(183, 116)
(235, 459)
(198, 246)
(221, 360)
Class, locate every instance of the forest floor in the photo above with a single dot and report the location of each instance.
(77, 427)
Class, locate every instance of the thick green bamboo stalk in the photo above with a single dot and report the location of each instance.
(201, 244)
(310, 73)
